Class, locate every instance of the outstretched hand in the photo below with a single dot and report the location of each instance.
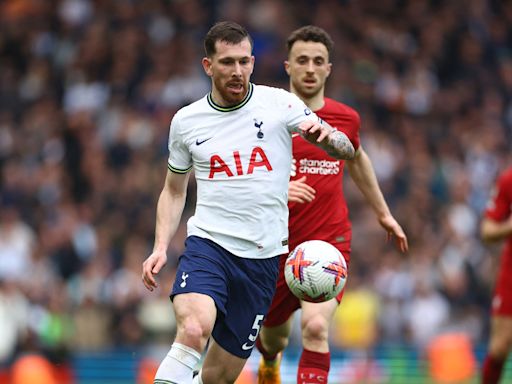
(394, 229)
(151, 266)
(313, 132)
(300, 192)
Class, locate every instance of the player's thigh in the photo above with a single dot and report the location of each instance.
(201, 269)
(251, 288)
(501, 334)
(195, 309)
(200, 291)
(220, 366)
(317, 316)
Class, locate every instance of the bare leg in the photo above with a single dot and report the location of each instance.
(220, 366)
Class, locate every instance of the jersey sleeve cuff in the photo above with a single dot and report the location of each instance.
(178, 170)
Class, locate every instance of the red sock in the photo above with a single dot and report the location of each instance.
(491, 370)
(267, 356)
(313, 367)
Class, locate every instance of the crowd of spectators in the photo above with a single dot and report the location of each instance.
(87, 91)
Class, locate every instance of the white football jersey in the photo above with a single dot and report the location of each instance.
(241, 157)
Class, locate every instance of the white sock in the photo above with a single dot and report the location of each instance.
(197, 379)
(177, 366)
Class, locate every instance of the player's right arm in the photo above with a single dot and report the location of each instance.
(168, 214)
(300, 192)
(492, 231)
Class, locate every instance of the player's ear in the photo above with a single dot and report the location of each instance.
(287, 67)
(207, 66)
(253, 59)
(329, 67)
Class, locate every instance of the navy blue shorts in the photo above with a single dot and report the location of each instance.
(241, 288)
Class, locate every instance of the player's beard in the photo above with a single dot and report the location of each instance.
(231, 98)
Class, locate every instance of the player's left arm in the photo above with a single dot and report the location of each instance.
(332, 141)
(362, 172)
(496, 223)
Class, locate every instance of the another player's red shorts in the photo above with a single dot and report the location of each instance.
(285, 302)
(502, 299)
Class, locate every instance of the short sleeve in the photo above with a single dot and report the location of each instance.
(296, 111)
(180, 158)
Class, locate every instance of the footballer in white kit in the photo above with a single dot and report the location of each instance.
(234, 239)
(238, 140)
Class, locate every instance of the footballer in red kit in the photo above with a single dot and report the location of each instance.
(497, 226)
(326, 216)
(317, 211)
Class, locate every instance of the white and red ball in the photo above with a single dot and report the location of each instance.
(315, 271)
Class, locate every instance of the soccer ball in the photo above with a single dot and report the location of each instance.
(315, 271)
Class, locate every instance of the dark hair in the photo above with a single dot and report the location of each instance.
(227, 31)
(310, 33)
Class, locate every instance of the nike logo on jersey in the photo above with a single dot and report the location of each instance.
(199, 142)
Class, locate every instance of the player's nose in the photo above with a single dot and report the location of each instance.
(237, 70)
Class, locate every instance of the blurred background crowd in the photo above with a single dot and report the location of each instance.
(87, 92)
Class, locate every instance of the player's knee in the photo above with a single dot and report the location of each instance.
(281, 343)
(500, 345)
(274, 344)
(499, 350)
(194, 329)
(315, 328)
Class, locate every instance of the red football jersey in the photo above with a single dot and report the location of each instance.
(326, 217)
(500, 206)
(499, 209)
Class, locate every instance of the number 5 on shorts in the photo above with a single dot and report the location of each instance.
(252, 338)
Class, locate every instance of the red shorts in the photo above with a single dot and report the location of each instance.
(502, 299)
(285, 302)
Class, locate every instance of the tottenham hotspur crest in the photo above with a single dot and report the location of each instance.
(184, 277)
(258, 125)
